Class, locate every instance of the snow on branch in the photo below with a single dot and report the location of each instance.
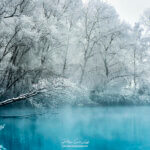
(21, 97)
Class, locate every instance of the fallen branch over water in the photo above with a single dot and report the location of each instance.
(21, 97)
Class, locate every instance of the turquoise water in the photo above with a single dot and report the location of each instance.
(95, 128)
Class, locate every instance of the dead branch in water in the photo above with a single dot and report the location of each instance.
(21, 97)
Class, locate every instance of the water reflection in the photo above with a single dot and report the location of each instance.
(101, 128)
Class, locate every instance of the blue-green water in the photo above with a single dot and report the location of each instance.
(95, 128)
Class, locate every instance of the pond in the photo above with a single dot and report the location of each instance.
(78, 128)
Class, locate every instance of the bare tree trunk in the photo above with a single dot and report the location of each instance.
(64, 67)
(66, 53)
(134, 67)
(65, 60)
(82, 72)
(106, 68)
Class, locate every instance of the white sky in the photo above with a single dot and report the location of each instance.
(129, 10)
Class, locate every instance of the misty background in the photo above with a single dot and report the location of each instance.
(65, 46)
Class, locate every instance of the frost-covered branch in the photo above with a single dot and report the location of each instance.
(21, 97)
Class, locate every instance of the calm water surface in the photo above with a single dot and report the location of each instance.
(96, 128)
